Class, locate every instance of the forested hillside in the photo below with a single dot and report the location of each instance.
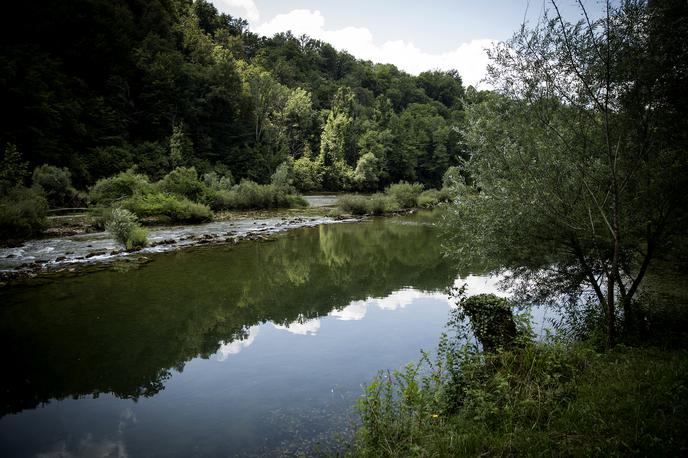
(99, 86)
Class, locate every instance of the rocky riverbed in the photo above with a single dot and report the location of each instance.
(70, 253)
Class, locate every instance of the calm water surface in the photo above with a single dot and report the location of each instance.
(253, 349)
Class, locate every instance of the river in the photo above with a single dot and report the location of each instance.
(250, 349)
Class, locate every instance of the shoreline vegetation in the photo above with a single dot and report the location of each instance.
(136, 205)
(569, 174)
(181, 197)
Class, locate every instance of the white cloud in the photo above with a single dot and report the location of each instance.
(400, 299)
(469, 58)
(397, 300)
(352, 312)
(304, 328)
(479, 284)
(246, 9)
(234, 347)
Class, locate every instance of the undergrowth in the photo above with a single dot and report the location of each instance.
(535, 398)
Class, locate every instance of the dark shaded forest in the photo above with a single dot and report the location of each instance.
(100, 86)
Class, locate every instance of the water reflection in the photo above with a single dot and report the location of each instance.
(233, 347)
(126, 333)
(301, 327)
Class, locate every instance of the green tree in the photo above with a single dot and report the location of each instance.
(56, 184)
(181, 147)
(574, 179)
(367, 173)
(13, 170)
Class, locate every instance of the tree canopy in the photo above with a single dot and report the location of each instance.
(99, 86)
(579, 158)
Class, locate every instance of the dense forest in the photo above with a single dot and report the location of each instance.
(99, 87)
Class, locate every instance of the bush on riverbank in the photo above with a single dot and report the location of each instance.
(56, 185)
(396, 197)
(248, 195)
(182, 196)
(124, 227)
(433, 197)
(109, 190)
(405, 194)
(167, 208)
(22, 213)
(377, 204)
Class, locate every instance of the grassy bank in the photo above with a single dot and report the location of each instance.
(540, 400)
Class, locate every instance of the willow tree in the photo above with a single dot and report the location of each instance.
(579, 175)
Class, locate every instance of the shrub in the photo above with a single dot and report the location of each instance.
(22, 213)
(379, 204)
(215, 181)
(184, 182)
(56, 184)
(166, 207)
(296, 201)
(429, 198)
(249, 195)
(106, 191)
(138, 238)
(406, 194)
(447, 194)
(339, 176)
(354, 204)
(124, 228)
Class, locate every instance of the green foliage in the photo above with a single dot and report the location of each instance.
(542, 399)
(379, 204)
(308, 174)
(249, 195)
(283, 178)
(429, 198)
(107, 191)
(198, 87)
(354, 204)
(22, 213)
(491, 318)
(123, 226)
(405, 194)
(181, 147)
(167, 208)
(56, 184)
(183, 182)
(13, 169)
(452, 177)
(376, 204)
(367, 173)
(570, 191)
(213, 180)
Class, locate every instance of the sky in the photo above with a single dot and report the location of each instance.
(413, 35)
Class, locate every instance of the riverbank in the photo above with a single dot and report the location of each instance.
(542, 400)
(77, 252)
(552, 396)
(74, 243)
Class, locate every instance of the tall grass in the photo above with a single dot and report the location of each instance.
(543, 399)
